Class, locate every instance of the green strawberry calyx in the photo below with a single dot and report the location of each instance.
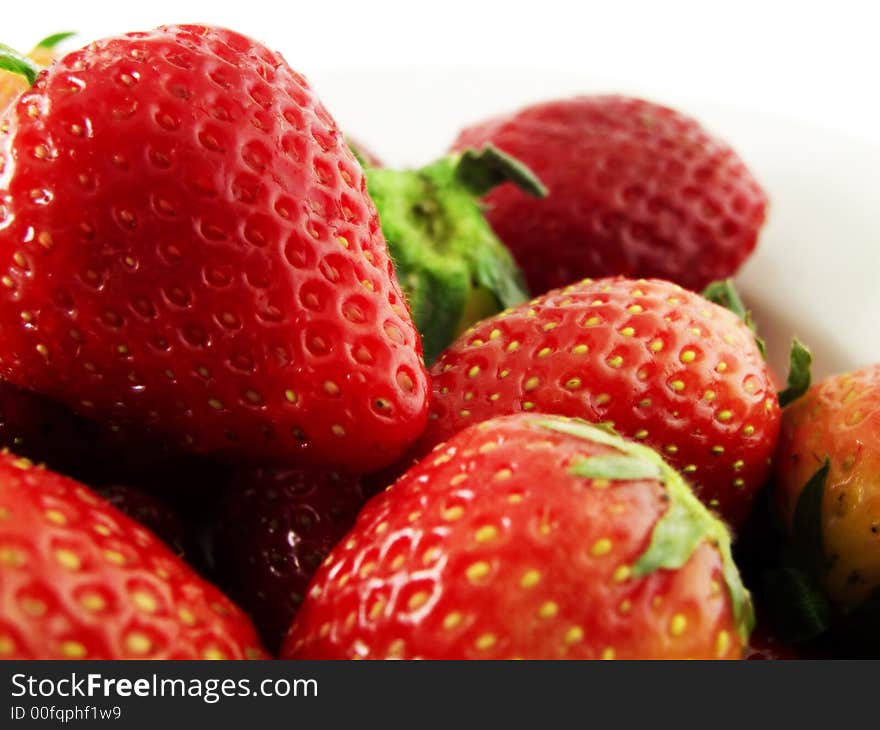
(794, 584)
(453, 268)
(799, 373)
(796, 603)
(684, 525)
(724, 294)
(487, 168)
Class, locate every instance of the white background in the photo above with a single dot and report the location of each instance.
(813, 62)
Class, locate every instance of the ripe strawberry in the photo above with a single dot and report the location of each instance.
(664, 365)
(529, 536)
(635, 189)
(186, 244)
(837, 515)
(80, 580)
(274, 529)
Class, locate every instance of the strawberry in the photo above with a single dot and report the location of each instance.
(187, 245)
(80, 580)
(452, 267)
(662, 364)
(535, 537)
(827, 486)
(274, 529)
(635, 189)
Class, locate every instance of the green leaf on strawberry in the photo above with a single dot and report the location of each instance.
(682, 528)
(799, 373)
(487, 168)
(616, 467)
(799, 609)
(808, 541)
(52, 41)
(14, 62)
(685, 524)
(724, 294)
(451, 265)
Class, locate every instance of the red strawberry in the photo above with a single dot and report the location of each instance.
(635, 189)
(529, 536)
(836, 516)
(79, 580)
(664, 365)
(186, 243)
(273, 531)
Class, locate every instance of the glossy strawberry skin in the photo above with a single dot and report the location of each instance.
(636, 189)
(275, 528)
(186, 243)
(838, 419)
(491, 549)
(662, 364)
(79, 580)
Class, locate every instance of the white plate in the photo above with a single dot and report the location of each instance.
(816, 272)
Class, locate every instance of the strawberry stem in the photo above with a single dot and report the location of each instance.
(49, 42)
(14, 62)
(487, 168)
(454, 269)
